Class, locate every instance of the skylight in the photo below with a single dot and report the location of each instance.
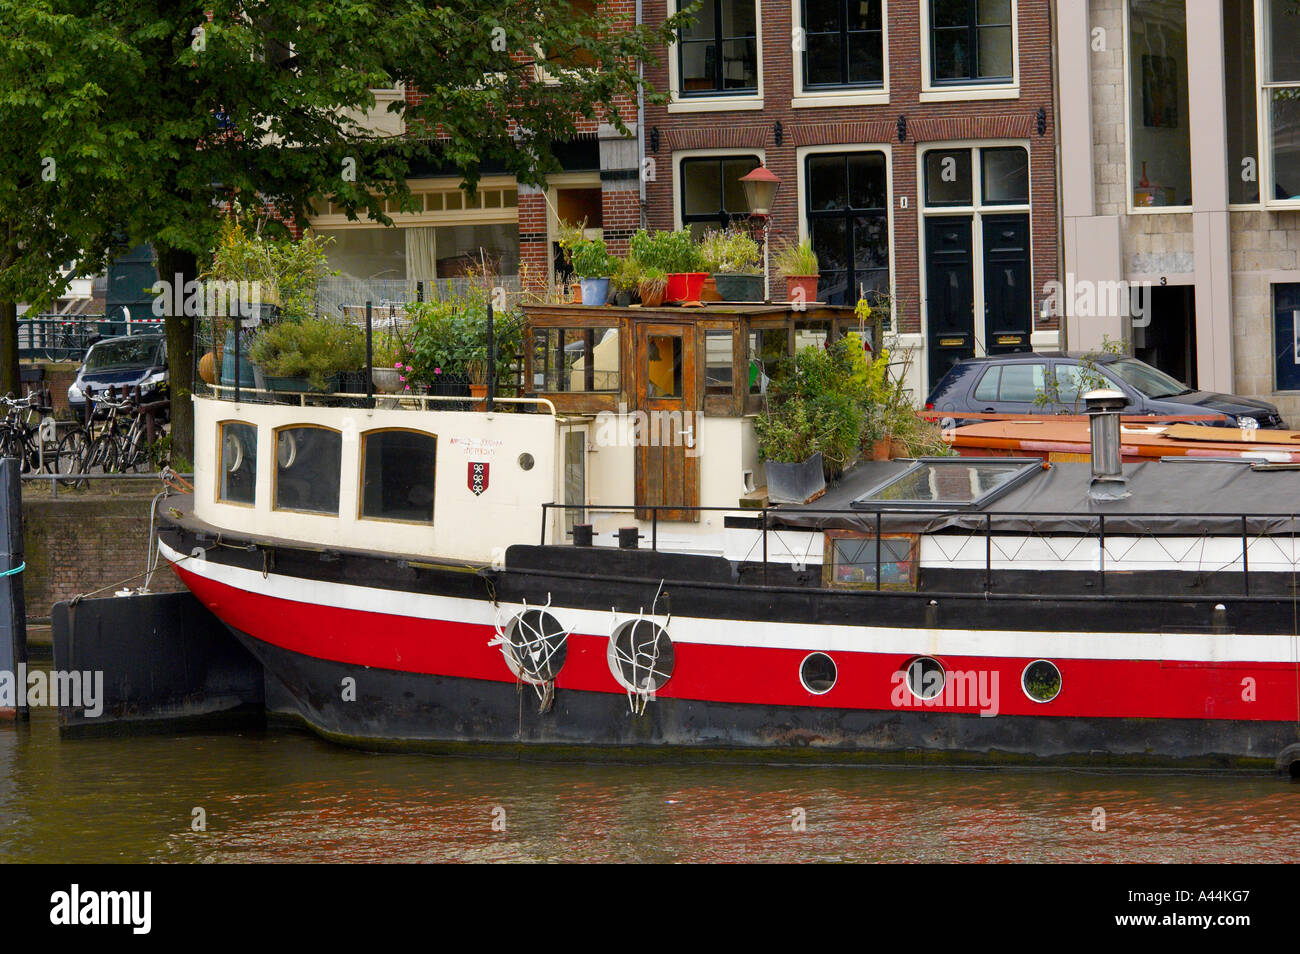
(950, 483)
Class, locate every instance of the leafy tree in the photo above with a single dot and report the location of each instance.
(212, 102)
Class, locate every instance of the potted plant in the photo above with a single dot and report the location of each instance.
(477, 371)
(390, 367)
(310, 354)
(593, 265)
(797, 264)
(651, 287)
(734, 259)
(678, 256)
(448, 335)
(625, 281)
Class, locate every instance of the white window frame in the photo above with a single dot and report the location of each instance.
(703, 154)
(1264, 121)
(957, 92)
(977, 211)
(846, 96)
(714, 104)
(1133, 208)
(801, 155)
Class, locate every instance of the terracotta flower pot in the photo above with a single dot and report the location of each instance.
(806, 282)
(479, 393)
(882, 449)
(577, 293)
(709, 291)
(208, 367)
(651, 296)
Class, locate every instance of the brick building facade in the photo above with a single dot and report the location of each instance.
(886, 87)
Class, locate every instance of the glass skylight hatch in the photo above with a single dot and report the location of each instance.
(950, 483)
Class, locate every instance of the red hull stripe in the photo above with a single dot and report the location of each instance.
(749, 674)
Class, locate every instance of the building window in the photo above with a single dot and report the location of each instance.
(844, 44)
(1281, 75)
(847, 207)
(718, 362)
(1286, 334)
(718, 53)
(238, 453)
(971, 41)
(575, 359)
(1241, 97)
(307, 466)
(712, 195)
(397, 472)
(1160, 149)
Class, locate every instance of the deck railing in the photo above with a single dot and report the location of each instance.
(1014, 528)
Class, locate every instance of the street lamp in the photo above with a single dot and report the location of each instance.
(760, 188)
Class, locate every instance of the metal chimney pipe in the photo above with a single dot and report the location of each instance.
(1108, 479)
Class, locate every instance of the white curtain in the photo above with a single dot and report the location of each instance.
(421, 254)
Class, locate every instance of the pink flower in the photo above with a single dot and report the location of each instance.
(398, 366)
(401, 377)
(437, 370)
(409, 369)
(408, 387)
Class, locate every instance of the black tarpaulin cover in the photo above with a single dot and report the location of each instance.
(1170, 497)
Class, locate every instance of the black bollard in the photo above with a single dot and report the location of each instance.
(13, 607)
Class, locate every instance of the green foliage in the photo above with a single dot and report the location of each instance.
(731, 251)
(288, 271)
(795, 261)
(673, 252)
(450, 334)
(817, 401)
(316, 347)
(627, 275)
(592, 260)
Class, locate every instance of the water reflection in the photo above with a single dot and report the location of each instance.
(285, 796)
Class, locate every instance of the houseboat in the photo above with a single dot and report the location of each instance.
(592, 570)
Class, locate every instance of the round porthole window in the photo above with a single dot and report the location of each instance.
(535, 646)
(641, 655)
(526, 461)
(925, 677)
(1041, 681)
(818, 673)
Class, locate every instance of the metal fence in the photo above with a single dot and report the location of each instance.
(69, 337)
(344, 296)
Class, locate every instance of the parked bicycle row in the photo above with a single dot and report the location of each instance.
(116, 438)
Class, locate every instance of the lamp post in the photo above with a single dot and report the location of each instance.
(761, 187)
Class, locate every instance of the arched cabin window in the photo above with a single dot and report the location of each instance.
(237, 459)
(397, 473)
(308, 459)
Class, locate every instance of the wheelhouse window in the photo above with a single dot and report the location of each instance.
(718, 363)
(718, 53)
(847, 208)
(971, 42)
(238, 464)
(712, 195)
(1281, 77)
(575, 359)
(844, 44)
(397, 474)
(767, 348)
(852, 559)
(307, 469)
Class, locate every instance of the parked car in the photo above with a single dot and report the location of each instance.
(1055, 383)
(122, 363)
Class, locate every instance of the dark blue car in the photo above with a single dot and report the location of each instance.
(122, 364)
(1054, 384)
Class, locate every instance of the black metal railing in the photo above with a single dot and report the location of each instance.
(69, 337)
(1138, 525)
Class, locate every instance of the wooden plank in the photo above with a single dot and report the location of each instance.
(1231, 435)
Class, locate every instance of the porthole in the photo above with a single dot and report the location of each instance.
(526, 461)
(818, 673)
(925, 677)
(1041, 681)
(535, 645)
(641, 655)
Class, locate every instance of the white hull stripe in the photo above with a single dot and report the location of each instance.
(1174, 647)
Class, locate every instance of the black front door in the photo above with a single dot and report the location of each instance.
(1008, 295)
(949, 292)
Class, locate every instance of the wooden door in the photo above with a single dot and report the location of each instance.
(667, 402)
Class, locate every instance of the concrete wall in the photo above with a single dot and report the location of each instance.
(76, 543)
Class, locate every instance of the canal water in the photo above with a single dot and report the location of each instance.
(287, 796)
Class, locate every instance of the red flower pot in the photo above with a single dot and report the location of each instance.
(806, 282)
(684, 286)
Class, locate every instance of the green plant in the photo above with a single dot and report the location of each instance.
(627, 276)
(674, 252)
(817, 402)
(795, 261)
(317, 348)
(653, 279)
(592, 260)
(287, 271)
(448, 334)
(731, 251)
(477, 371)
(567, 236)
(1090, 376)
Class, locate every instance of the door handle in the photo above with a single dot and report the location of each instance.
(990, 410)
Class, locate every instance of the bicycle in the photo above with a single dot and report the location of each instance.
(20, 438)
